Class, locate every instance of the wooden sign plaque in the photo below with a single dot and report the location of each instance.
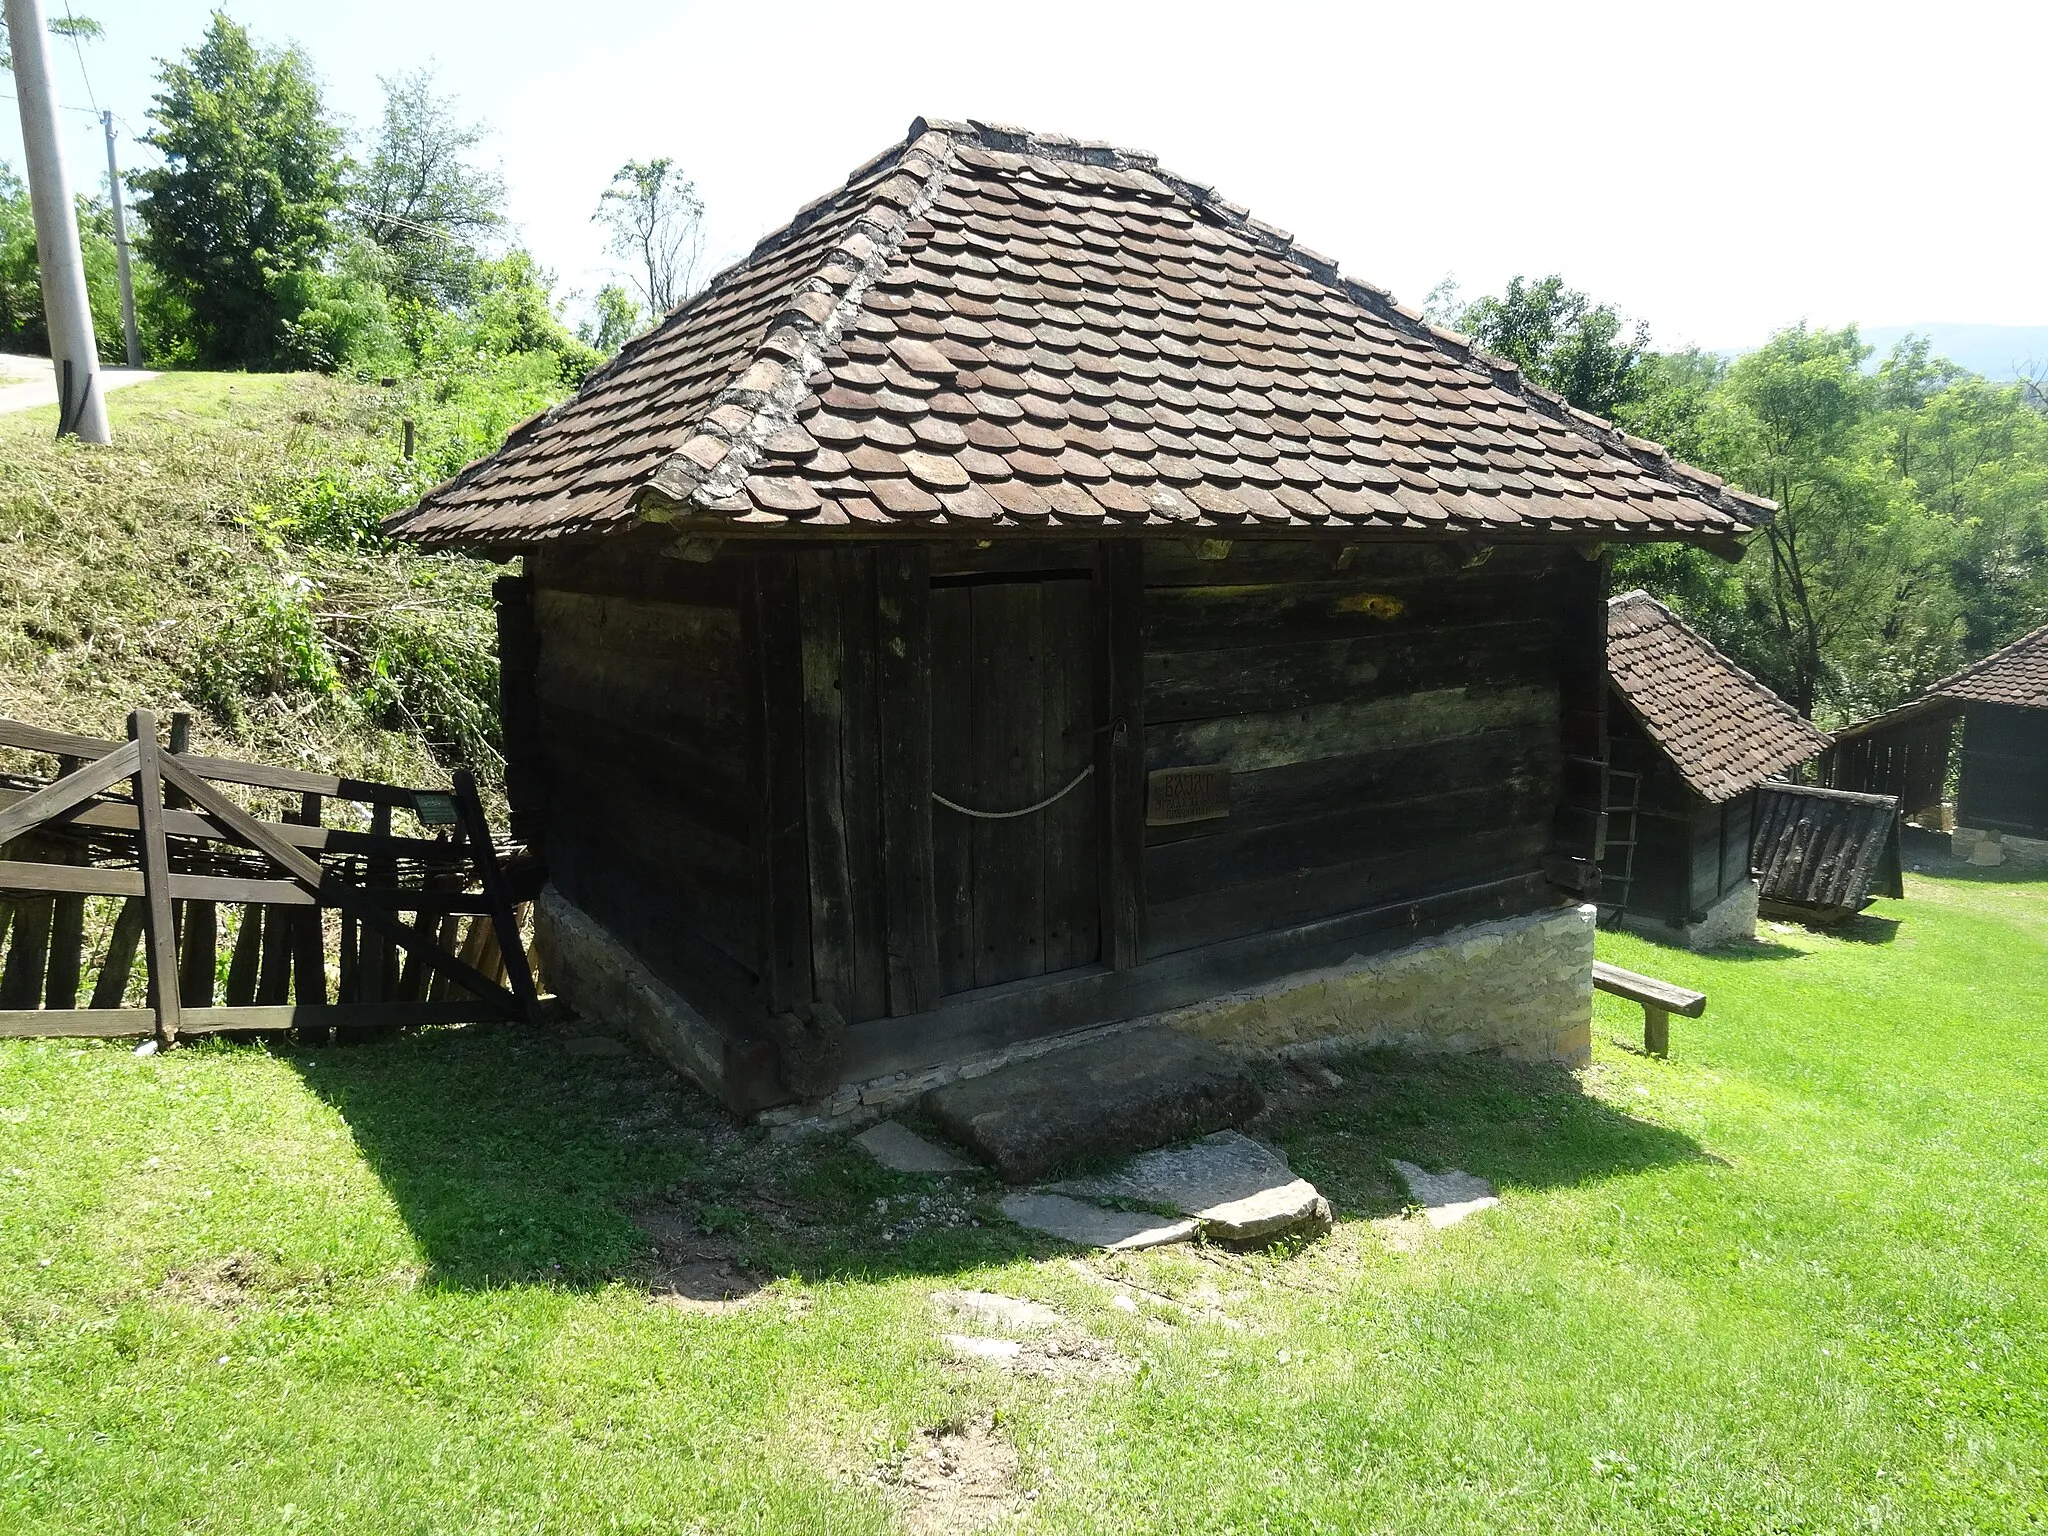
(434, 809)
(1177, 795)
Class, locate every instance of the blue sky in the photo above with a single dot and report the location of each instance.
(1717, 169)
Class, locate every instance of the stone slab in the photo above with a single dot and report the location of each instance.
(1124, 1093)
(1238, 1189)
(1090, 1226)
(1446, 1198)
(901, 1150)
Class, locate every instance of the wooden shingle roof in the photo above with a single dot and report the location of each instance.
(2017, 675)
(1724, 731)
(986, 330)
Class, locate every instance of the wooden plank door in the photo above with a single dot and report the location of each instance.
(1013, 690)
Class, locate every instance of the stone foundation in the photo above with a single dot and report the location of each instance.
(1732, 917)
(1522, 986)
(1973, 845)
(602, 980)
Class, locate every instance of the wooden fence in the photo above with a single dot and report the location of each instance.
(427, 925)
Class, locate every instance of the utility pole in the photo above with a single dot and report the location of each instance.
(81, 400)
(121, 247)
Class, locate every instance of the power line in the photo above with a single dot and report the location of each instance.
(10, 96)
(78, 48)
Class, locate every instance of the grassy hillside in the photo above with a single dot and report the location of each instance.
(221, 557)
(1787, 1281)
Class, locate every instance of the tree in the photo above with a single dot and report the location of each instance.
(77, 28)
(1849, 597)
(656, 222)
(1561, 339)
(616, 318)
(248, 193)
(22, 323)
(420, 199)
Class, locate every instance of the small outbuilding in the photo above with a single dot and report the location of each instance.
(2001, 784)
(1029, 596)
(1691, 740)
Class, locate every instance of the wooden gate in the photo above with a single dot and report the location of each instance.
(153, 827)
(1014, 834)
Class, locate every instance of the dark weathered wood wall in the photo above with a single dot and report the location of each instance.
(646, 757)
(1390, 718)
(733, 763)
(2003, 786)
(1689, 853)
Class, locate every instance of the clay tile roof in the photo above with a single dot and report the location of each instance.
(2017, 675)
(1723, 730)
(1027, 331)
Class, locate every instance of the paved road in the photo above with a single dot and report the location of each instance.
(27, 382)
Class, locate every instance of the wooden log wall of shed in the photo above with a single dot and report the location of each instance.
(734, 763)
(1391, 727)
(2003, 786)
(646, 759)
(1689, 853)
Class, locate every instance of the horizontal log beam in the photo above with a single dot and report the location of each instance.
(120, 816)
(135, 1023)
(222, 770)
(85, 880)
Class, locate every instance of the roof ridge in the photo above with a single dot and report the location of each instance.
(1380, 302)
(1727, 661)
(764, 397)
(2038, 632)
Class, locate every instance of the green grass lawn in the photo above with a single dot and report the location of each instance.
(1791, 1280)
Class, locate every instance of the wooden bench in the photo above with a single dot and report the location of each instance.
(1660, 999)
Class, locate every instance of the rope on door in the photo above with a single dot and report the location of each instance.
(1052, 799)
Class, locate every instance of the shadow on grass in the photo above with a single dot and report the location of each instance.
(514, 1162)
(1928, 853)
(1522, 1125)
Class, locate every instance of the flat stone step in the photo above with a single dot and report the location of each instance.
(1238, 1189)
(1090, 1226)
(1125, 1093)
(1446, 1198)
(902, 1150)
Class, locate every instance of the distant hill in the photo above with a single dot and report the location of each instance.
(1996, 351)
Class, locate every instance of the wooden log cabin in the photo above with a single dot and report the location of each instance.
(1028, 594)
(2001, 783)
(1692, 738)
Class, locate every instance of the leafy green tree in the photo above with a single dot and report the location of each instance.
(22, 324)
(1975, 455)
(656, 221)
(77, 28)
(419, 197)
(247, 196)
(616, 318)
(1563, 340)
(1847, 585)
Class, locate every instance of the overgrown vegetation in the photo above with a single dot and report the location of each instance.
(1787, 1281)
(224, 555)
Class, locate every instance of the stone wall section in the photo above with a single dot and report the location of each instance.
(1732, 917)
(1974, 845)
(599, 976)
(1521, 986)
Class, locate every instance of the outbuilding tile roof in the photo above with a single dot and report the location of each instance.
(1723, 730)
(987, 330)
(2017, 675)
